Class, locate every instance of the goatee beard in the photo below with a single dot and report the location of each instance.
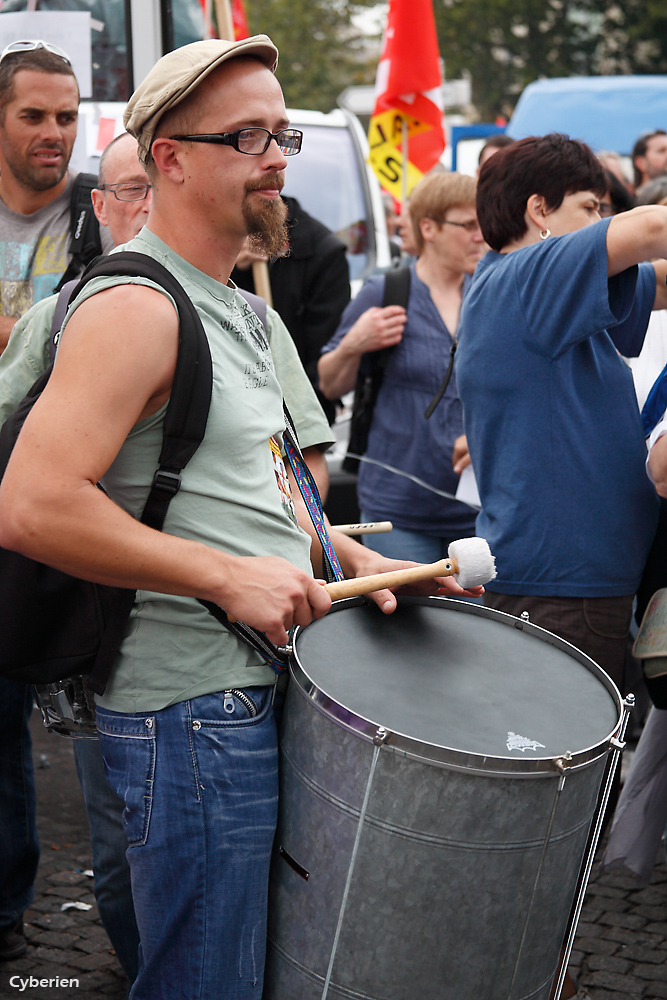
(267, 225)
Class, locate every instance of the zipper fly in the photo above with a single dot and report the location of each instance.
(228, 703)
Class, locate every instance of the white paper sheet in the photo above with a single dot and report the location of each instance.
(70, 30)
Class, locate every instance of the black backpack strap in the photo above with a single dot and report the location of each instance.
(396, 293)
(370, 376)
(184, 426)
(396, 287)
(64, 296)
(85, 243)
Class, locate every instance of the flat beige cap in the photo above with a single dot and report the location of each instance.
(176, 75)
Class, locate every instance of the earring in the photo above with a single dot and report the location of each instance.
(545, 234)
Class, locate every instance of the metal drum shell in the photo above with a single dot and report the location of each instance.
(445, 882)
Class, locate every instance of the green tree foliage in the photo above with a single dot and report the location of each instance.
(321, 52)
(506, 44)
(633, 37)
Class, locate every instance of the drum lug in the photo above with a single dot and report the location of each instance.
(617, 744)
(562, 764)
(381, 736)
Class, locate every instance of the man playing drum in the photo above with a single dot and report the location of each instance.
(186, 724)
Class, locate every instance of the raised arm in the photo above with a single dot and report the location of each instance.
(636, 236)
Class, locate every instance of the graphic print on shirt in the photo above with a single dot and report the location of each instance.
(30, 273)
(282, 480)
(246, 327)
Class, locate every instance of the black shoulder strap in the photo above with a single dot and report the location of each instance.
(190, 399)
(396, 287)
(184, 427)
(396, 293)
(59, 315)
(184, 424)
(85, 243)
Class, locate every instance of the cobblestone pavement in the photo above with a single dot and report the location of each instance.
(68, 944)
(620, 951)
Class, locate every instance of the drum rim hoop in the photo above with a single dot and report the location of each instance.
(460, 760)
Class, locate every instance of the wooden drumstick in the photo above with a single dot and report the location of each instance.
(369, 528)
(470, 561)
(357, 586)
(261, 280)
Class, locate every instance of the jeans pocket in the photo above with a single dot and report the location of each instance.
(129, 762)
(609, 617)
(232, 707)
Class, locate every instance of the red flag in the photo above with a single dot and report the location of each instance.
(407, 88)
(239, 20)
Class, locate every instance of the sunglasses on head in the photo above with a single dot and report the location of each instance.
(32, 46)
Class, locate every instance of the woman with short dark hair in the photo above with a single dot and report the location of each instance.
(549, 406)
(550, 413)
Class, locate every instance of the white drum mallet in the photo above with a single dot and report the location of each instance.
(470, 562)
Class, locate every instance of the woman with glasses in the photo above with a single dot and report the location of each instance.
(416, 346)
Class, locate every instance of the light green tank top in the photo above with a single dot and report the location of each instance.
(232, 497)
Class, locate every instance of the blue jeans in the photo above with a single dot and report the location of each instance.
(19, 846)
(113, 890)
(200, 784)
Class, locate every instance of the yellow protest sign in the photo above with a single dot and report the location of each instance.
(385, 135)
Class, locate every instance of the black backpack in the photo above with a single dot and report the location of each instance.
(54, 625)
(84, 244)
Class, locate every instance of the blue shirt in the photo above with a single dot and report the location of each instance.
(551, 416)
(399, 435)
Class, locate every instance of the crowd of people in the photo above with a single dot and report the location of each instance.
(501, 339)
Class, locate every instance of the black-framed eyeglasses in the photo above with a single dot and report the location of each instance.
(127, 191)
(253, 141)
(31, 45)
(470, 227)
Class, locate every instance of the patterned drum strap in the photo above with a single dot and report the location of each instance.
(311, 498)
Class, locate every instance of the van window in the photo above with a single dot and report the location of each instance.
(109, 46)
(326, 181)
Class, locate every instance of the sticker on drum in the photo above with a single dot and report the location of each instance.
(440, 772)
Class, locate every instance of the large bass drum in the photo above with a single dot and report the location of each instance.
(441, 768)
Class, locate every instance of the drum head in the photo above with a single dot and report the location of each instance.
(459, 676)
